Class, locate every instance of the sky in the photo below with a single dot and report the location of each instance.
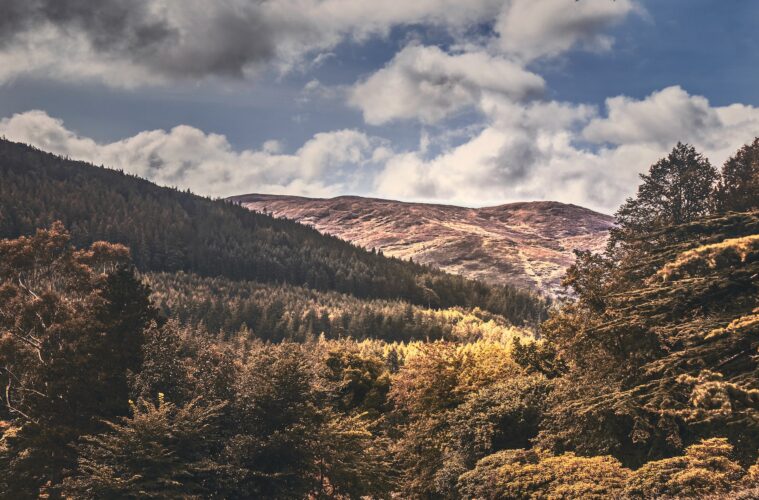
(475, 103)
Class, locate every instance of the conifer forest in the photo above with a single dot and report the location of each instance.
(156, 344)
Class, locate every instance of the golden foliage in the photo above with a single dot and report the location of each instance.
(536, 474)
(751, 479)
(711, 256)
(706, 468)
(467, 326)
(743, 324)
(712, 393)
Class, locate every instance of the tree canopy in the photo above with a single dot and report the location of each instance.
(121, 383)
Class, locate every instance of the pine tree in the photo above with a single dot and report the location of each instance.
(160, 451)
(677, 189)
(71, 330)
(738, 188)
(657, 343)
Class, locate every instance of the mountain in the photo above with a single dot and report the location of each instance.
(168, 230)
(525, 244)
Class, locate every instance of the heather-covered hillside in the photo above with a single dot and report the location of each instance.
(527, 244)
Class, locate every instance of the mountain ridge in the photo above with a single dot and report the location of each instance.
(529, 244)
(267, 196)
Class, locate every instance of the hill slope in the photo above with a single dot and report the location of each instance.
(170, 230)
(289, 313)
(528, 244)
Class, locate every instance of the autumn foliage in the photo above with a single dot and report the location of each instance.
(643, 383)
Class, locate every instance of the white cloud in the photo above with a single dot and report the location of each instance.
(127, 44)
(535, 151)
(45, 53)
(145, 42)
(663, 117)
(504, 165)
(535, 28)
(429, 84)
(206, 163)
(671, 115)
(540, 150)
(513, 158)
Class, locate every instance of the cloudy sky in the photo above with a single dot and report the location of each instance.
(475, 102)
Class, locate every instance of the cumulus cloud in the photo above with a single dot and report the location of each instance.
(501, 162)
(160, 41)
(523, 151)
(430, 84)
(113, 25)
(154, 41)
(145, 41)
(542, 150)
(671, 115)
(501, 165)
(530, 29)
(665, 116)
(206, 163)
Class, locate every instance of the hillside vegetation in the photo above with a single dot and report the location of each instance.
(529, 243)
(645, 385)
(286, 313)
(169, 230)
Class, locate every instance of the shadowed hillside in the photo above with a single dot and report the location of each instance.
(170, 230)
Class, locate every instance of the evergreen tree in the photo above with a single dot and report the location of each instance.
(705, 468)
(160, 451)
(537, 474)
(677, 189)
(650, 365)
(738, 188)
(71, 330)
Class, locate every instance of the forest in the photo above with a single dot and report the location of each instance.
(168, 230)
(155, 344)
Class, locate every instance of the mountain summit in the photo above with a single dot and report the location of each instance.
(527, 244)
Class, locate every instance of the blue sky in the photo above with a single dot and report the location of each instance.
(401, 103)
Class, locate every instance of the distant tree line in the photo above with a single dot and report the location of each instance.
(278, 313)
